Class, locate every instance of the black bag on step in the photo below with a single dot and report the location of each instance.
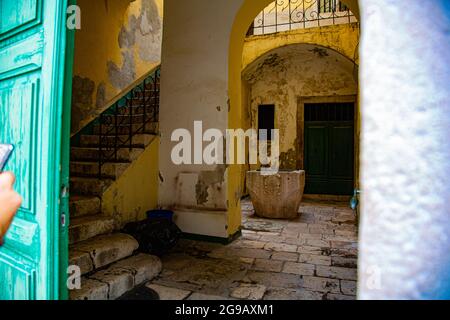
(155, 235)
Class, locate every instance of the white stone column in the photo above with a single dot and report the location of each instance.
(405, 82)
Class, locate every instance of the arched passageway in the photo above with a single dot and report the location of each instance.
(296, 79)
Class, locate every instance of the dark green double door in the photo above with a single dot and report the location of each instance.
(329, 149)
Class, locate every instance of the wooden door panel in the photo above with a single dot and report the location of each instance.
(316, 151)
(32, 57)
(341, 151)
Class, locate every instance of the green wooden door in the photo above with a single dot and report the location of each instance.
(32, 117)
(329, 149)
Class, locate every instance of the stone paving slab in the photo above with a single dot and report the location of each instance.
(312, 257)
(249, 292)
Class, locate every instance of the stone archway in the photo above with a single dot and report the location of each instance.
(235, 174)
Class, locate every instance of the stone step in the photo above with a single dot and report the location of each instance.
(137, 128)
(118, 279)
(89, 186)
(88, 227)
(101, 251)
(138, 140)
(93, 154)
(91, 169)
(81, 206)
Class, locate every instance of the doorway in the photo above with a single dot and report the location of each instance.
(329, 148)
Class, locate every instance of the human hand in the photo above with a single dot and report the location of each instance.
(10, 202)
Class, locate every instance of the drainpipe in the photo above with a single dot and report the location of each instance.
(405, 218)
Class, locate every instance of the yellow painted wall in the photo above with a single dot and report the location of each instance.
(343, 38)
(119, 42)
(136, 191)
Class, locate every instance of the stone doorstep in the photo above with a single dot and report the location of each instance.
(101, 251)
(118, 279)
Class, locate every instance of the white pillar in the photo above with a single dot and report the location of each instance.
(405, 74)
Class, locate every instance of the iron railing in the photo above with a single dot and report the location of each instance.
(286, 15)
(134, 114)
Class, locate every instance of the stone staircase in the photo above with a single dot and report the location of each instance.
(109, 262)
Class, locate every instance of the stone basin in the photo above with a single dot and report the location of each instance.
(276, 196)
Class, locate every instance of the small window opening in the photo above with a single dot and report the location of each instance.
(266, 119)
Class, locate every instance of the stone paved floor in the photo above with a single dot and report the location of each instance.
(313, 257)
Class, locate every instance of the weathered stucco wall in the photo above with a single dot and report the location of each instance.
(343, 38)
(136, 191)
(284, 75)
(194, 86)
(119, 42)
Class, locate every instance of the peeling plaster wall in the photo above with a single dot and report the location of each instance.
(342, 38)
(284, 75)
(194, 86)
(119, 42)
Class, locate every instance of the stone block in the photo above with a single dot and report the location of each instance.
(104, 250)
(90, 290)
(285, 256)
(336, 273)
(315, 259)
(249, 292)
(280, 247)
(321, 284)
(168, 293)
(267, 265)
(349, 287)
(301, 269)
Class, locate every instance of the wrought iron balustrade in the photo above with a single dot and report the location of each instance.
(285, 15)
(137, 112)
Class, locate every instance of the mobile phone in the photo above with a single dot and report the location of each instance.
(5, 153)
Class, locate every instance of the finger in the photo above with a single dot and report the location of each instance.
(7, 180)
(10, 203)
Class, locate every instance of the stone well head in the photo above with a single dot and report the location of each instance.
(276, 196)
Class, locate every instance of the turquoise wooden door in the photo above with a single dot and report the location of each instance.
(32, 97)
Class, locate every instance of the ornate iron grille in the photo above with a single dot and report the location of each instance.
(336, 112)
(136, 113)
(285, 15)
